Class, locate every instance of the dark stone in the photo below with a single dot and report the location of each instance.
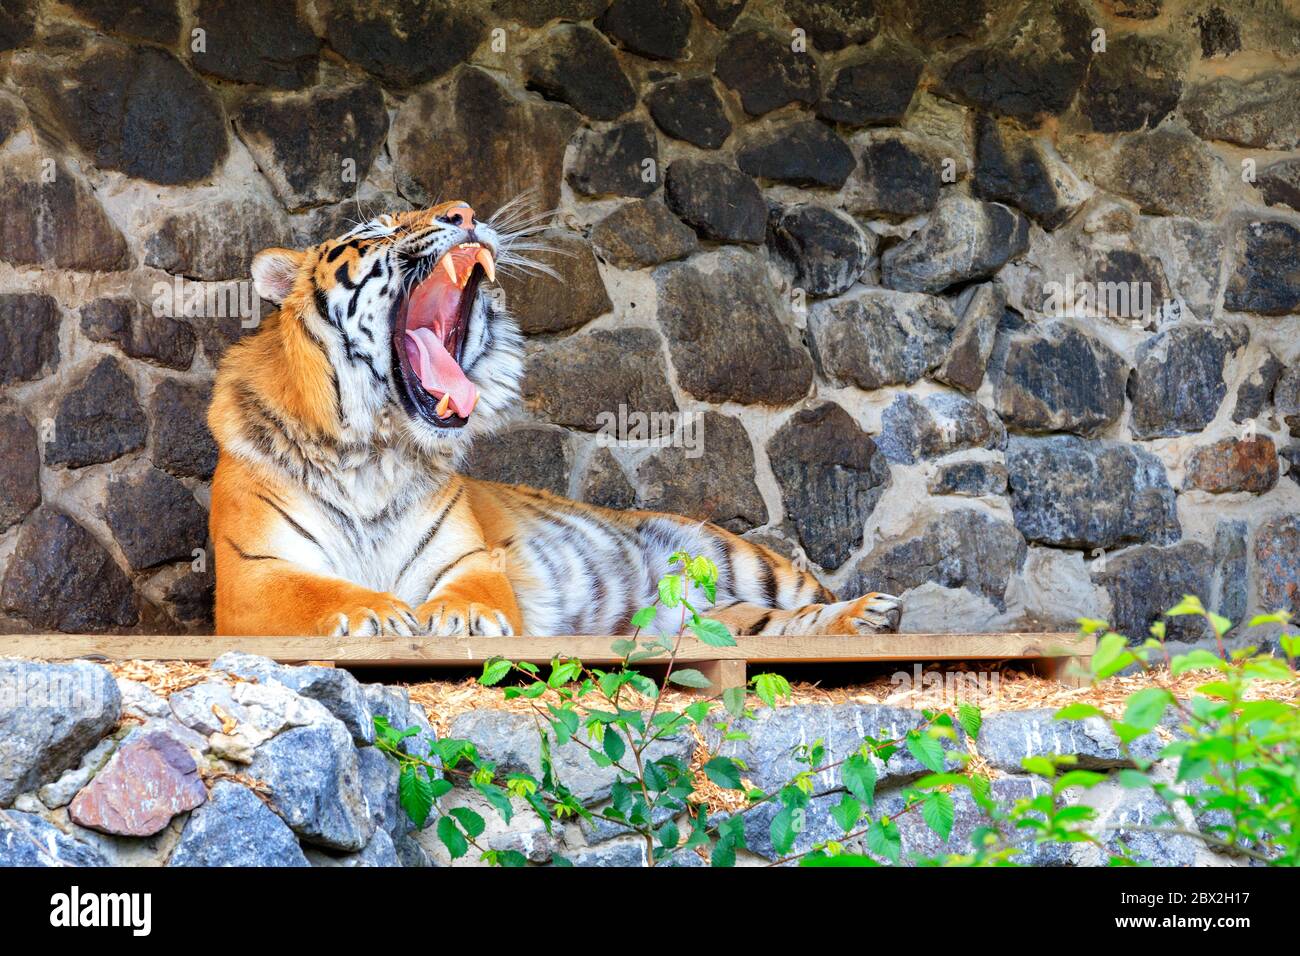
(835, 24)
(535, 456)
(874, 89)
(981, 308)
(657, 29)
(578, 66)
(20, 468)
(1056, 378)
(1167, 171)
(1137, 82)
(34, 215)
(613, 161)
(28, 840)
(914, 429)
(190, 599)
(957, 549)
(875, 337)
(155, 519)
(138, 332)
(893, 180)
(1145, 582)
(17, 23)
(1286, 399)
(1220, 36)
(716, 201)
(217, 240)
(606, 484)
(1033, 70)
(937, 21)
(235, 828)
(970, 479)
(642, 233)
(1292, 455)
(302, 140)
(1128, 285)
(536, 13)
(616, 368)
(690, 110)
(726, 333)
(1279, 183)
(182, 443)
(767, 74)
(1068, 492)
(1255, 391)
(1177, 383)
(97, 420)
(1134, 9)
(533, 298)
(1262, 112)
(29, 336)
(109, 105)
(831, 477)
(1230, 585)
(1266, 277)
(253, 42)
(825, 249)
(407, 42)
(471, 135)
(61, 578)
(157, 20)
(964, 239)
(1012, 168)
(719, 488)
(722, 13)
(804, 153)
(1277, 542)
(1232, 464)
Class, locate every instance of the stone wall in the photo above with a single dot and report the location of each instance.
(257, 764)
(833, 231)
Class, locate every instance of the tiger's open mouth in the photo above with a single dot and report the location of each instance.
(430, 331)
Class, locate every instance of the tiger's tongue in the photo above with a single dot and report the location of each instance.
(438, 371)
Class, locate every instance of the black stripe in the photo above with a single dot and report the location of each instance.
(250, 557)
(433, 530)
(768, 581)
(443, 573)
(292, 523)
(757, 626)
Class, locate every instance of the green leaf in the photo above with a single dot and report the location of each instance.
(1190, 604)
(494, 671)
(1078, 712)
(712, 632)
(769, 687)
(473, 823)
(1146, 707)
(644, 617)
(783, 831)
(939, 812)
(452, 838)
(733, 699)
(844, 859)
(724, 854)
(670, 590)
(970, 718)
(723, 772)
(499, 799)
(1077, 778)
(884, 839)
(847, 813)
(1111, 656)
(859, 776)
(415, 793)
(614, 746)
(927, 750)
(690, 677)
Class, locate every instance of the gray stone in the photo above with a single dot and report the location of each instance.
(139, 701)
(190, 599)
(27, 840)
(98, 420)
(914, 429)
(407, 43)
(606, 484)
(394, 704)
(894, 179)
(1230, 584)
(1277, 542)
(1056, 378)
(762, 68)
(964, 239)
(614, 161)
(379, 852)
(576, 65)
(1068, 492)
(1014, 168)
(1279, 183)
(333, 687)
(138, 332)
(1266, 275)
(690, 110)
(155, 519)
(981, 308)
(621, 367)
(182, 444)
(1167, 172)
(802, 152)
(252, 42)
(957, 549)
(711, 308)
(61, 577)
(35, 207)
(61, 791)
(1136, 808)
(873, 89)
(1008, 737)
(216, 239)
(1177, 383)
(149, 780)
(29, 336)
(536, 456)
(20, 468)
(642, 233)
(533, 297)
(1146, 581)
(877, 337)
(970, 479)
(719, 487)
(51, 715)
(235, 828)
(1262, 112)
(1286, 399)
(379, 782)
(716, 201)
(831, 477)
(630, 852)
(826, 250)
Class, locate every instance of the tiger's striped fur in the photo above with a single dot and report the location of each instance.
(337, 507)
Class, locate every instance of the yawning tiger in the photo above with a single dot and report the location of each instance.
(336, 505)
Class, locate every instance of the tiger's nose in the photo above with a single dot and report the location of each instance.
(462, 216)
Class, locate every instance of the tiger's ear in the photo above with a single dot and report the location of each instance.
(274, 273)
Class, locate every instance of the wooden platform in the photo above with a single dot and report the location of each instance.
(1060, 654)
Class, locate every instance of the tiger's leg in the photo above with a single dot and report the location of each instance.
(872, 613)
(471, 596)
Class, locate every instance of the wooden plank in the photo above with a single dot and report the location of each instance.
(722, 675)
(468, 651)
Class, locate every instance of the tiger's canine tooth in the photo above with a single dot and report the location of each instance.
(449, 266)
(484, 258)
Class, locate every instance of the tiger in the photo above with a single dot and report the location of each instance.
(337, 507)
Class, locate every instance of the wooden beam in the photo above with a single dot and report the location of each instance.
(722, 675)
(470, 651)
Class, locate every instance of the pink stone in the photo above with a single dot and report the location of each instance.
(146, 783)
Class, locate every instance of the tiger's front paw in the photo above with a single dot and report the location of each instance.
(873, 613)
(452, 618)
(384, 617)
